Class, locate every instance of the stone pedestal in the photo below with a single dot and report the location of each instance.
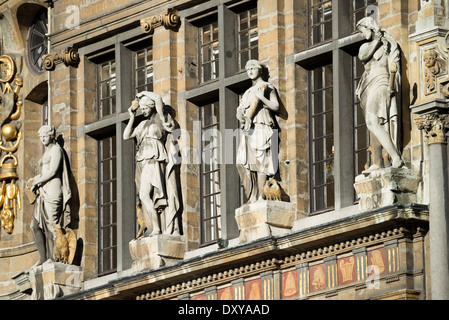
(156, 251)
(385, 187)
(264, 218)
(52, 280)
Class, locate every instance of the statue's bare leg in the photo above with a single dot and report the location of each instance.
(384, 138)
(261, 179)
(39, 239)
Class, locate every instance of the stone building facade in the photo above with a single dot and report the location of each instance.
(81, 65)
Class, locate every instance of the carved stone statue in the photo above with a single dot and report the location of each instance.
(255, 155)
(379, 92)
(156, 161)
(53, 193)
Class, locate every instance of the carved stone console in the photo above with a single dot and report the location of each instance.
(169, 19)
(156, 251)
(264, 218)
(69, 57)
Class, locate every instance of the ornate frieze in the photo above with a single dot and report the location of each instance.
(319, 270)
(69, 57)
(169, 19)
(435, 126)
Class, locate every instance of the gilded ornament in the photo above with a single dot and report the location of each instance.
(65, 244)
(9, 131)
(11, 108)
(8, 70)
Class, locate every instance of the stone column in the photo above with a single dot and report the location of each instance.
(436, 126)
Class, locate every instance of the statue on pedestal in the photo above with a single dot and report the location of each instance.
(379, 93)
(156, 159)
(52, 198)
(256, 156)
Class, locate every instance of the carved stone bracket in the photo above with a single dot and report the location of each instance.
(69, 57)
(169, 19)
(435, 125)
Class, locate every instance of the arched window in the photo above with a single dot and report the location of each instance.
(37, 41)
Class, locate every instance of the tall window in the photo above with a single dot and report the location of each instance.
(210, 173)
(107, 88)
(320, 20)
(208, 52)
(143, 69)
(37, 41)
(322, 138)
(247, 38)
(107, 222)
(232, 29)
(338, 137)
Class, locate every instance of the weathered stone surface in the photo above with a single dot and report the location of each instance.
(156, 251)
(54, 279)
(385, 187)
(264, 218)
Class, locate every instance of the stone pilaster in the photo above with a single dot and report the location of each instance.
(436, 126)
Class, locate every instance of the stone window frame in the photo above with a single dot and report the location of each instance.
(122, 46)
(226, 89)
(340, 51)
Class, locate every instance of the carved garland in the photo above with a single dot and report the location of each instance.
(10, 111)
(169, 19)
(69, 57)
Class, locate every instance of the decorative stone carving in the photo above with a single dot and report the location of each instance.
(52, 194)
(435, 126)
(263, 219)
(434, 67)
(156, 165)
(386, 187)
(158, 200)
(10, 111)
(379, 92)
(69, 57)
(169, 19)
(256, 156)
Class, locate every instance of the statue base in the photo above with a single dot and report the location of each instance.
(53, 280)
(263, 219)
(385, 187)
(156, 251)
